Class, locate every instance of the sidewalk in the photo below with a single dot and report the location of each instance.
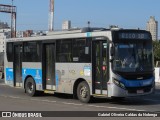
(157, 83)
(1, 81)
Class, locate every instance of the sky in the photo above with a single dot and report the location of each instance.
(33, 14)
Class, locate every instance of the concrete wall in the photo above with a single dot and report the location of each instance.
(157, 74)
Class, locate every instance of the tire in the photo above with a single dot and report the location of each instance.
(83, 92)
(30, 87)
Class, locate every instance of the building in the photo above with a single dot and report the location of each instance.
(3, 25)
(19, 34)
(27, 33)
(4, 33)
(2, 40)
(66, 25)
(152, 27)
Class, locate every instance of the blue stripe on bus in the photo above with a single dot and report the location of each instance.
(9, 74)
(137, 83)
(57, 79)
(35, 73)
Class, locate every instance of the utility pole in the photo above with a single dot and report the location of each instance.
(13, 21)
(51, 15)
(12, 10)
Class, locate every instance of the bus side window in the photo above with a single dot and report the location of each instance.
(31, 52)
(10, 52)
(81, 50)
(64, 50)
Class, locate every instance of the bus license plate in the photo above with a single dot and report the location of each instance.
(140, 91)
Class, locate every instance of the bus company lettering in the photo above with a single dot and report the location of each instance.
(14, 114)
(34, 115)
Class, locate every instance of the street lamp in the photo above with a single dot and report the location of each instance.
(88, 24)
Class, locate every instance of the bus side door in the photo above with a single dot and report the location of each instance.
(17, 64)
(100, 66)
(49, 59)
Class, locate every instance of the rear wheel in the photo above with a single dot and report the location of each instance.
(83, 92)
(30, 87)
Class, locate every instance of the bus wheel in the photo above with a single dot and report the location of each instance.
(30, 87)
(83, 92)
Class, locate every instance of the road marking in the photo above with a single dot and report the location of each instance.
(27, 99)
(43, 100)
(126, 109)
(47, 101)
(118, 108)
(3, 96)
(10, 97)
(67, 103)
(71, 103)
(34, 99)
(2, 84)
(15, 97)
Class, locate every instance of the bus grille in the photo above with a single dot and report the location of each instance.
(136, 77)
(133, 90)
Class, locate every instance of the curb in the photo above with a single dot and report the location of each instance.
(158, 84)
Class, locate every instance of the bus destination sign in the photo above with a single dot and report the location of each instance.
(134, 36)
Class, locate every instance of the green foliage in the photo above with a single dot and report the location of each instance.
(156, 50)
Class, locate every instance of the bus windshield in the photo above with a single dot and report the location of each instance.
(133, 57)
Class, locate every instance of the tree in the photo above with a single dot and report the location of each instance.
(156, 50)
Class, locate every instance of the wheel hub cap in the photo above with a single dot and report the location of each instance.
(83, 92)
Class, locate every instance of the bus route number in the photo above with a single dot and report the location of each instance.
(132, 36)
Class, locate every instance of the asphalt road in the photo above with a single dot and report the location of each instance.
(14, 99)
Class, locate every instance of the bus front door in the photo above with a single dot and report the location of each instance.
(100, 67)
(17, 65)
(49, 66)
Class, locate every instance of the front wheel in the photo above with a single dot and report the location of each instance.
(30, 87)
(83, 92)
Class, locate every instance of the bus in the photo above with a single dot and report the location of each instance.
(91, 62)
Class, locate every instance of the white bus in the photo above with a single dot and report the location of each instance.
(86, 63)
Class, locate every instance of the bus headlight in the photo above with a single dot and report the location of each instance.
(118, 83)
(122, 85)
